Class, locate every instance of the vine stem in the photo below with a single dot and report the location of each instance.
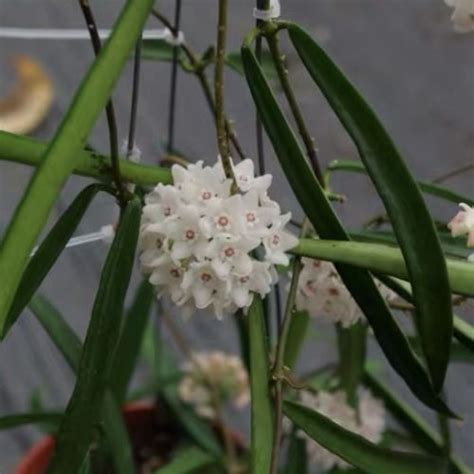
(311, 152)
(110, 112)
(279, 366)
(199, 71)
(135, 91)
(222, 138)
(174, 78)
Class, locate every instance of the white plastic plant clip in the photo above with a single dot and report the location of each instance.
(173, 40)
(273, 12)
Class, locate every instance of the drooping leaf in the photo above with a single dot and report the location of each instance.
(13, 421)
(296, 336)
(427, 187)
(421, 432)
(128, 347)
(30, 151)
(117, 435)
(410, 218)
(319, 211)
(382, 259)
(261, 409)
(187, 461)
(356, 450)
(84, 408)
(234, 61)
(49, 251)
(60, 158)
(62, 335)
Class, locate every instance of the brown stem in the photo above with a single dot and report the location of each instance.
(110, 112)
(295, 110)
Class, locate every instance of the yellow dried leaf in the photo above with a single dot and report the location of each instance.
(29, 101)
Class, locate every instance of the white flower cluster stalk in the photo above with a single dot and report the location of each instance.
(463, 224)
(322, 294)
(463, 15)
(211, 375)
(368, 421)
(198, 240)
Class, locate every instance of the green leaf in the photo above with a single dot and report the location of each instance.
(296, 336)
(14, 421)
(319, 211)
(449, 245)
(128, 346)
(352, 350)
(86, 466)
(188, 460)
(427, 187)
(30, 151)
(62, 335)
(84, 409)
(383, 259)
(356, 450)
(261, 409)
(411, 220)
(297, 458)
(49, 251)
(234, 61)
(196, 428)
(117, 436)
(414, 424)
(60, 158)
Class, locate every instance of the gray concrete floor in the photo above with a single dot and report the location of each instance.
(404, 57)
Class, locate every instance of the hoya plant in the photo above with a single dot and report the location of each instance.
(211, 241)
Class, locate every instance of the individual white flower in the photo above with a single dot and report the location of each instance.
(463, 15)
(198, 241)
(366, 420)
(212, 378)
(463, 224)
(322, 294)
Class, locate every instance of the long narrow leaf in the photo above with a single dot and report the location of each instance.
(117, 436)
(62, 335)
(60, 158)
(356, 450)
(13, 421)
(187, 461)
(297, 458)
(262, 415)
(383, 259)
(422, 433)
(30, 151)
(412, 223)
(429, 188)
(318, 209)
(49, 251)
(128, 347)
(84, 408)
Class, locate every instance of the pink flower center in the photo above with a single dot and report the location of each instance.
(206, 277)
(190, 234)
(229, 252)
(334, 291)
(244, 279)
(251, 217)
(223, 221)
(206, 195)
(275, 239)
(174, 272)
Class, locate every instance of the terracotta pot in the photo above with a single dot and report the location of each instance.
(138, 417)
(36, 460)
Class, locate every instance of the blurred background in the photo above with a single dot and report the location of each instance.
(403, 55)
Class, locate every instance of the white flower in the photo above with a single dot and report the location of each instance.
(463, 224)
(322, 294)
(367, 420)
(463, 15)
(198, 242)
(214, 377)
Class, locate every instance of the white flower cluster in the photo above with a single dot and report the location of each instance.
(463, 15)
(211, 375)
(368, 421)
(463, 224)
(197, 238)
(322, 294)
